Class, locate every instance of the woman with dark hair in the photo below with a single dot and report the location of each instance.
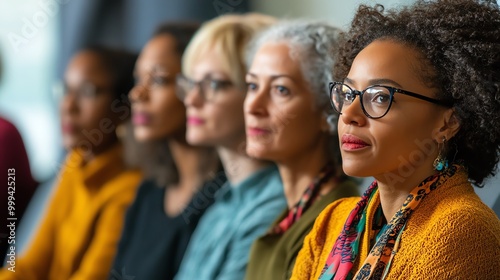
(418, 92)
(180, 179)
(78, 236)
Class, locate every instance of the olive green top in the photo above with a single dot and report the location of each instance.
(273, 256)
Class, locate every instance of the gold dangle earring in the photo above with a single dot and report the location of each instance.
(441, 163)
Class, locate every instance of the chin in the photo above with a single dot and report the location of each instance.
(355, 170)
(141, 137)
(68, 143)
(258, 152)
(197, 139)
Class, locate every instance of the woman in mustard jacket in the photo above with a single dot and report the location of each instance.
(78, 236)
(418, 95)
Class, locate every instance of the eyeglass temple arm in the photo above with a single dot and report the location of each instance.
(422, 97)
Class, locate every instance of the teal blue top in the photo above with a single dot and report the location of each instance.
(220, 246)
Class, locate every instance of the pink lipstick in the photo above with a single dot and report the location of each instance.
(195, 121)
(257, 131)
(141, 119)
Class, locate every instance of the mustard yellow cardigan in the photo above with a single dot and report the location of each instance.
(451, 235)
(78, 236)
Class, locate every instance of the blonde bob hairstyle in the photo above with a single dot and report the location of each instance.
(228, 37)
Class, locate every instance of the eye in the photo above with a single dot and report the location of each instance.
(160, 80)
(87, 90)
(348, 96)
(215, 84)
(281, 90)
(379, 96)
(218, 84)
(251, 87)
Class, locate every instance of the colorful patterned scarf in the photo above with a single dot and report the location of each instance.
(308, 198)
(376, 266)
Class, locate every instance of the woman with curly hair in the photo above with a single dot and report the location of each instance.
(418, 94)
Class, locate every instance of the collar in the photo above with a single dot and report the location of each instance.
(100, 169)
(252, 183)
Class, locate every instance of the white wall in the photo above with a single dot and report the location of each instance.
(336, 12)
(340, 13)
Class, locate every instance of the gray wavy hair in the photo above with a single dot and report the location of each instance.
(314, 44)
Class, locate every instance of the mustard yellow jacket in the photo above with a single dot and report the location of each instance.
(451, 235)
(78, 236)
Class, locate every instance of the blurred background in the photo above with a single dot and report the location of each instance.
(37, 37)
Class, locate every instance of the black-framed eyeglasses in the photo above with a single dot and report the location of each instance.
(208, 87)
(375, 100)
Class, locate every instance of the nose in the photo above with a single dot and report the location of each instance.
(69, 103)
(139, 93)
(193, 97)
(353, 113)
(255, 102)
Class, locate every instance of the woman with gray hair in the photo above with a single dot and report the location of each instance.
(288, 121)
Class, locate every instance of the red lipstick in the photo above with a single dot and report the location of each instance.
(352, 143)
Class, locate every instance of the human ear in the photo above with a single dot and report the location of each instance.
(450, 125)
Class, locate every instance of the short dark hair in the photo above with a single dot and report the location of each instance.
(181, 31)
(119, 64)
(460, 40)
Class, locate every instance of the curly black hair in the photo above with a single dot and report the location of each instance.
(460, 41)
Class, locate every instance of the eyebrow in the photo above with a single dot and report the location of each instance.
(156, 68)
(273, 77)
(375, 82)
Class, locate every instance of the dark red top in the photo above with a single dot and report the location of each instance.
(13, 156)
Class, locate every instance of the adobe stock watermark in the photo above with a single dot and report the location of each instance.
(95, 136)
(115, 275)
(32, 26)
(416, 158)
(226, 6)
(203, 198)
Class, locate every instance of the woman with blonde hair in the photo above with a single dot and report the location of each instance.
(213, 90)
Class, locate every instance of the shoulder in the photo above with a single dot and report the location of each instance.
(265, 189)
(458, 232)
(338, 208)
(456, 208)
(465, 220)
(331, 220)
(347, 188)
(7, 127)
(125, 183)
(121, 190)
(130, 177)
